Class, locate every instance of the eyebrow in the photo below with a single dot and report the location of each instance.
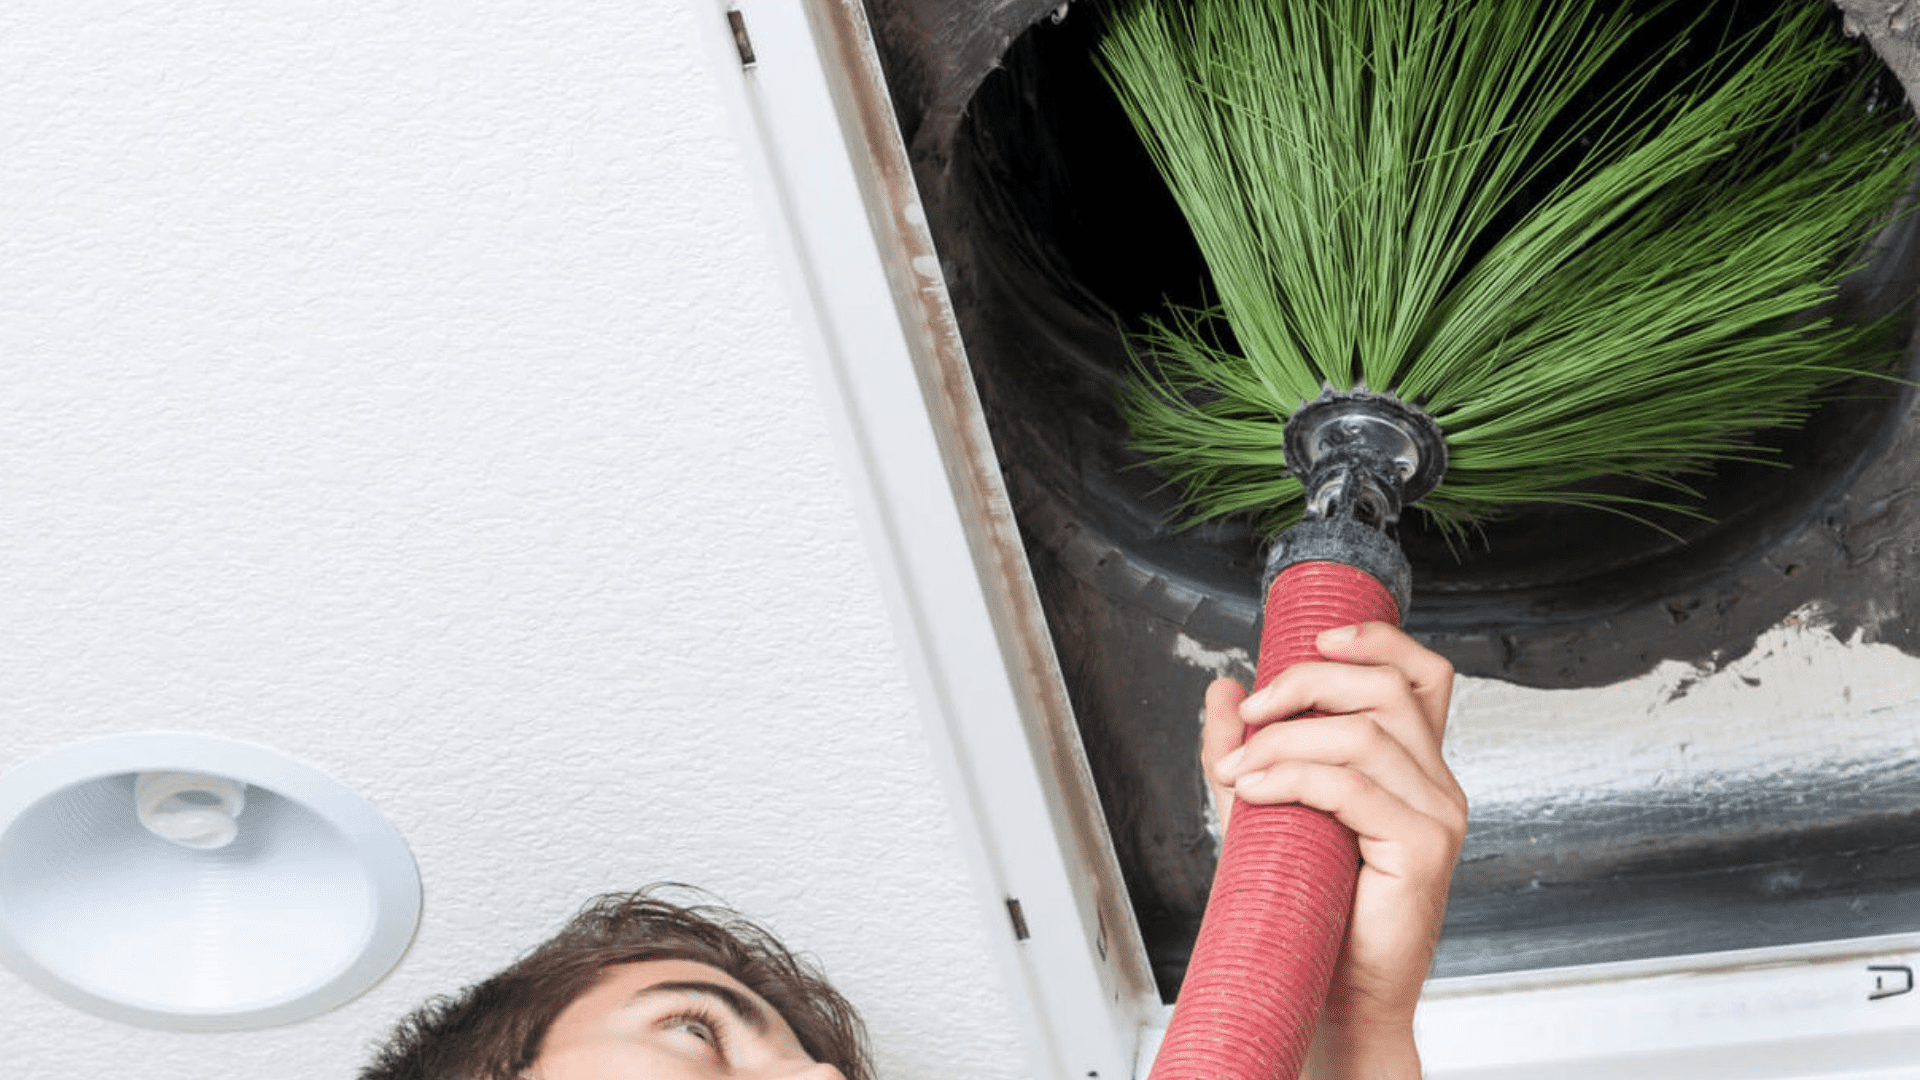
(744, 1008)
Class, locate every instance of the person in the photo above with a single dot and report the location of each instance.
(637, 987)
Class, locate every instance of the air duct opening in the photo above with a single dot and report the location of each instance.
(1055, 232)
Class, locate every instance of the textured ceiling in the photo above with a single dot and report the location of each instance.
(409, 387)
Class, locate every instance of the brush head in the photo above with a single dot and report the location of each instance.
(1584, 254)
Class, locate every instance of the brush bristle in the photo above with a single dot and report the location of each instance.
(1442, 200)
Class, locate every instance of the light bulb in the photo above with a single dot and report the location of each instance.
(191, 809)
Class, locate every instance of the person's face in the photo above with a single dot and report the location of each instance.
(672, 1020)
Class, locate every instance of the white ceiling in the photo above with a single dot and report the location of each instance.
(409, 387)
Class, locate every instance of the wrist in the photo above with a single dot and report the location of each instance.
(1374, 1052)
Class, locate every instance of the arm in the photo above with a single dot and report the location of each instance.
(1374, 763)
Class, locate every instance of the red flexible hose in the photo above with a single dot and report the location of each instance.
(1281, 896)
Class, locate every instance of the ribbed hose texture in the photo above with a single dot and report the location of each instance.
(1281, 896)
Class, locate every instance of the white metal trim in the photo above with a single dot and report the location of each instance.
(1800, 1011)
(1794, 1012)
(1080, 988)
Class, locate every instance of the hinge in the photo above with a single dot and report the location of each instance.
(1019, 920)
(741, 41)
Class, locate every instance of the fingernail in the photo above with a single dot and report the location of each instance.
(1226, 765)
(1256, 702)
(1337, 636)
(1250, 778)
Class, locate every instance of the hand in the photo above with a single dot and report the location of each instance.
(1374, 763)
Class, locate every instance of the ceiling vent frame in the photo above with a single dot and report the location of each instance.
(871, 296)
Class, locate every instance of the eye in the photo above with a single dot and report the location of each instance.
(699, 1029)
(701, 1026)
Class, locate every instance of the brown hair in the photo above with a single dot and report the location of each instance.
(493, 1030)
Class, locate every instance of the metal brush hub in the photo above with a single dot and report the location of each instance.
(1363, 456)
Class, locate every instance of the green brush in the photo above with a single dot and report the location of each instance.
(1492, 263)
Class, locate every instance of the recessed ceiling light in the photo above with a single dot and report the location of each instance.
(195, 883)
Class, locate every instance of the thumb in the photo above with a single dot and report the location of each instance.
(1220, 735)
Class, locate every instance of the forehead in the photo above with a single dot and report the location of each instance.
(604, 1031)
(621, 984)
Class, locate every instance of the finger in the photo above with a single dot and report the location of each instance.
(1359, 742)
(1221, 733)
(1395, 838)
(1428, 674)
(1331, 688)
(1340, 688)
